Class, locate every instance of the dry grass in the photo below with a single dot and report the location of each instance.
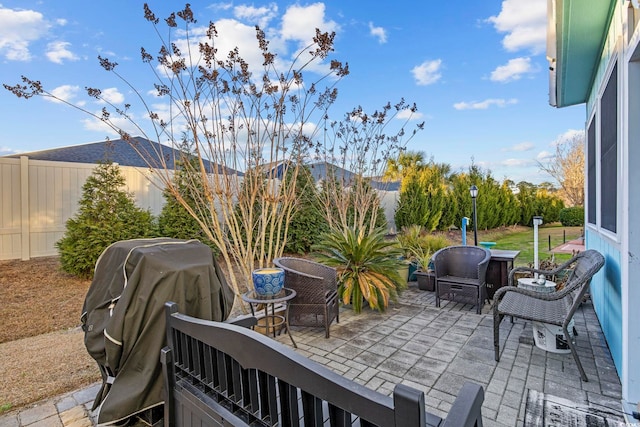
(42, 352)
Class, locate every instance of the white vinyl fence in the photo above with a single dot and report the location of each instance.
(37, 197)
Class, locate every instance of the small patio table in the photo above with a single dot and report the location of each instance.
(272, 320)
(500, 264)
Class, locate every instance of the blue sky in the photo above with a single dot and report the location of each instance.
(476, 69)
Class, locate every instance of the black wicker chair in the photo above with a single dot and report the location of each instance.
(460, 274)
(555, 308)
(316, 300)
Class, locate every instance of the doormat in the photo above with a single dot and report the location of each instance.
(545, 410)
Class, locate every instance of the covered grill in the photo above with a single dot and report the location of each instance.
(123, 315)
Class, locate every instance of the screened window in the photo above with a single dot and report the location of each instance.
(591, 172)
(609, 153)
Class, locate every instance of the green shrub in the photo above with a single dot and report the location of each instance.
(572, 217)
(366, 266)
(107, 214)
(307, 223)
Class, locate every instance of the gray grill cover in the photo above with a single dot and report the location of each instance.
(123, 315)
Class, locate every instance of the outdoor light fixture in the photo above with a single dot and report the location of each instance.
(474, 194)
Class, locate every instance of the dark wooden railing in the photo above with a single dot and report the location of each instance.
(217, 374)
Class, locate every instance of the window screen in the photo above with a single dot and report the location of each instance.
(591, 172)
(609, 153)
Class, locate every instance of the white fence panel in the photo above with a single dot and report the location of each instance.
(10, 209)
(54, 191)
(38, 197)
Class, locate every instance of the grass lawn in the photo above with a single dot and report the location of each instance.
(523, 241)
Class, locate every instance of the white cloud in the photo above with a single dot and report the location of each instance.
(379, 32)
(408, 114)
(300, 22)
(568, 136)
(112, 95)
(7, 151)
(428, 72)
(66, 93)
(97, 125)
(260, 15)
(483, 105)
(220, 6)
(57, 52)
(512, 70)
(18, 29)
(232, 34)
(518, 162)
(523, 146)
(525, 25)
(545, 155)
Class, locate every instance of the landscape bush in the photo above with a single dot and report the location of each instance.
(307, 222)
(572, 217)
(107, 214)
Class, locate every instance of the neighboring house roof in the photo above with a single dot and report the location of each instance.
(319, 171)
(576, 34)
(117, 151)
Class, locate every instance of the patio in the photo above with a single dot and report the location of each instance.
(433, 349)
(438, 349)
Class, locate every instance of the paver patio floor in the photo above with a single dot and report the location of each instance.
(432, 349)
(438, 349)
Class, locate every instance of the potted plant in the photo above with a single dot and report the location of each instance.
(366, 266)
(409, 240)
(428, 245)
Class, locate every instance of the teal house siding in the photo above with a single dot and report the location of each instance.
(606, 294)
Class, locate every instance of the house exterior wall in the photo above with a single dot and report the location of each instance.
(38, 197)
(606, 292)
(615, 290)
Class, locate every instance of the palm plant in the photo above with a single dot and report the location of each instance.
(366, 266)
(428, 244)
(409, 239)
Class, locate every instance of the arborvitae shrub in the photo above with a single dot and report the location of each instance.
(107, 214)
(307, 223)
(572, 217)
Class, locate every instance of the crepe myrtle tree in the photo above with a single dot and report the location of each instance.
(244, 123)
(355, 151)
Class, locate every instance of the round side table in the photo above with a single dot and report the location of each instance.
(272, 320)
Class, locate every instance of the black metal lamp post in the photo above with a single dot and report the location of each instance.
(474, 194)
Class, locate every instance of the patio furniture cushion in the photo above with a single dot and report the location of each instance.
(556, 308)
(460, 273)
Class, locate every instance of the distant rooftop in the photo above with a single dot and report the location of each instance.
(123, 153)
(117, 150)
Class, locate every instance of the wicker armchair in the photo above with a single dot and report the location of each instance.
(460, 274)
(555, 308)
(316, 301)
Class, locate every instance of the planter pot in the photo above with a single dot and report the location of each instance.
(426, 281)
(275, 321)
(403, 271)
(268, 282)
(412, 272)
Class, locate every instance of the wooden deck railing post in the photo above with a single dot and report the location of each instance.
(408, 406)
